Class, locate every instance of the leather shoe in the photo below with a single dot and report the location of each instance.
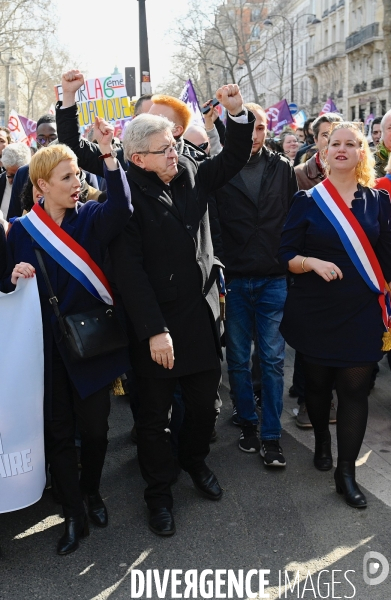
(205, 481)
(323, 459)
(75, 528)
(97, 510)
(161, 521)
(345, 483)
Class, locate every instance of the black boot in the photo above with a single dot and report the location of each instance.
(75, 528)
(345, 483)
(322, 458)
(97, 510)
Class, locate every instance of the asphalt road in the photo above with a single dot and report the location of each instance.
(283, 523)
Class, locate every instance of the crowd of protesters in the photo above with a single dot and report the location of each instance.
(205, 237)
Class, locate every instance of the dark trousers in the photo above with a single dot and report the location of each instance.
(157, 465)
(91, 415)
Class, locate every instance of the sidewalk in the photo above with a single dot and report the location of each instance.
(287, 521)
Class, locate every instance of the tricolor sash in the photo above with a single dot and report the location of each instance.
(67, 253)
(357, 246)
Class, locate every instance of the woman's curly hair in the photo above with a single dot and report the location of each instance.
(365, 169)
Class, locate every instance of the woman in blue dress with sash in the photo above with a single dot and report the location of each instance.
(337, 243)
(72, 239)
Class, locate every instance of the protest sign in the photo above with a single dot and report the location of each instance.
(104, 97)
(22, 459)
(189, 97)
(278, 116)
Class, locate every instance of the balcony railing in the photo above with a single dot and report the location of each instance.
(377, 83)
(360, 87)
(363, 36)
(331, 51)
(333, 7)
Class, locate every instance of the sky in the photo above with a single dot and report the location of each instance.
(103, 33)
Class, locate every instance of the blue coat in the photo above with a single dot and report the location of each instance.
(93, 226)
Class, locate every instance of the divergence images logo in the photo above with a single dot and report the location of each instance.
(375, 568)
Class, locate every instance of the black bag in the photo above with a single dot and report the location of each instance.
(95, 332)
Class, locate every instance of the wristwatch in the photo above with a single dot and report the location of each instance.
(242, 112)
(113, 154)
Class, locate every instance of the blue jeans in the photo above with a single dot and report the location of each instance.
(257, 303)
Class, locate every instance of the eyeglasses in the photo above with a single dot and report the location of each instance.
(167, 151)
(46, 139)
(203, 146)
(359, 125)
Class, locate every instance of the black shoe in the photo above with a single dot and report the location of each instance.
(322, 458)
(133, 434)
(75, 528)
(97, 510)
(205, 481)
(345, 484)
(249, 439)
(161, 521)
(293, 392)
(271, 453)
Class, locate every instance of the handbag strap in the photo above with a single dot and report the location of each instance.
(52, 299)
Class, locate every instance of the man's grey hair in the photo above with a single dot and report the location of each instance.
(16, 155)
(138, 133)
(384, 119)
(326, 118)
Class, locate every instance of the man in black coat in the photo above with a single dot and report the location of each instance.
(252, 208)
(166, 272)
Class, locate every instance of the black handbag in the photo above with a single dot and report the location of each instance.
(91, 333)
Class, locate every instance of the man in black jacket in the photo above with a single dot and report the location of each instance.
(166, 272)
(252, 209)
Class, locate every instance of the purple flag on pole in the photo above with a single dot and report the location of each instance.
(189, 97)
(29, 126)
(329, 107)
(278, 116)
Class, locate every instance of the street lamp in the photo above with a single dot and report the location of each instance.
(292, 25)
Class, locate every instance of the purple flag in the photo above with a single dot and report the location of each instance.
(329, 107)
(278, 116)
(29, 126)
(189, 97)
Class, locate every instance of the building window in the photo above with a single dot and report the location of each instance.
(256, 33)
(255, 14)
(372, 108)
(361, 113)
(342, 31)
(353, 109)
(383, 107)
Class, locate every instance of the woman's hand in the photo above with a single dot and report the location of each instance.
(328, 270)
(24, 270)
(103, 133)
(162, 350)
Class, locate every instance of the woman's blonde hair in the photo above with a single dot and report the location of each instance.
(46, 159)
(365, 169)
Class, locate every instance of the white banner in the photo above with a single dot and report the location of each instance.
(22, 458)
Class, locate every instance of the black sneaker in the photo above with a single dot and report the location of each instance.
(271, 453)
(235, 418)
(249, 440)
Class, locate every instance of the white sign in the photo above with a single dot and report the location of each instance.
(22, 458)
